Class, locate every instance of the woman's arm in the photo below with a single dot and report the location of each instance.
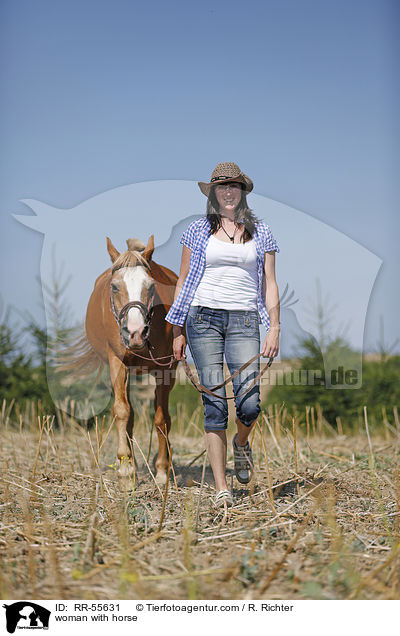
(270, 347)
(179, 342)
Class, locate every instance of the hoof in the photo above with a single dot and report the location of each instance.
(161, 478)
(125, 467)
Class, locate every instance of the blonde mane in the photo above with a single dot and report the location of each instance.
(129, 259)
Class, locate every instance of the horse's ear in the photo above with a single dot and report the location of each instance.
(113, 252)
(149, 249)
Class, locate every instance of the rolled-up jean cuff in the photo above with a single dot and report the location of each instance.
(223, 427)
(253, 419)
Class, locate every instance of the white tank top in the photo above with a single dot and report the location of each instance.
(230, 277)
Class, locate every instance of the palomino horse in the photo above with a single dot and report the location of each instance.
(126, 328)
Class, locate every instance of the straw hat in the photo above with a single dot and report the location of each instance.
(226, 172)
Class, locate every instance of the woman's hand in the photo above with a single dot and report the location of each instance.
(179, 346)
(270, 347)
(179, 343)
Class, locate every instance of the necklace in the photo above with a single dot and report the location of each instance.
(231, 238)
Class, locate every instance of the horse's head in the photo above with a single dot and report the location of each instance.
(132, 291)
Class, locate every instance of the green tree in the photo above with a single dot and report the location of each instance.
(380, 389)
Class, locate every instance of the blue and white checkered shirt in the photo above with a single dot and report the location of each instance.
(196, 239)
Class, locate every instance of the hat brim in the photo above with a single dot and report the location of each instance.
(243, 179)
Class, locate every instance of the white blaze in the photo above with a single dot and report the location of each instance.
(135, 279)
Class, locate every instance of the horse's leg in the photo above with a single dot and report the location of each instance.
(131, 418)
(162, 423)
(122, 411)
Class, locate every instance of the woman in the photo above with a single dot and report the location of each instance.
(226, 284)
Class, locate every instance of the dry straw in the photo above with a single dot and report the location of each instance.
(72, 528)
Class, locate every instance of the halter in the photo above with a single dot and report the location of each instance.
(146, 312)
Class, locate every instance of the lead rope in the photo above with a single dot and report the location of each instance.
(203, 389)
(200, 387)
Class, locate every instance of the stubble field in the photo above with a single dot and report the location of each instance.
(320, 519)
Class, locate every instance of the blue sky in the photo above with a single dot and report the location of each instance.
(303, 95)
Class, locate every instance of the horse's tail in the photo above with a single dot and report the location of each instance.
(79, 357)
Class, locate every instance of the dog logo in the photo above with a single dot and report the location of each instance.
(26, 615)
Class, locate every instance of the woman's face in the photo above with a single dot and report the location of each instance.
(228, 196)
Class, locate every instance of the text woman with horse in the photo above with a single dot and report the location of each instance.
(226, 285)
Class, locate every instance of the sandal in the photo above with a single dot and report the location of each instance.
(243, 459)
(223, 497)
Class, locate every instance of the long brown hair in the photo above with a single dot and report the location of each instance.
(243, 214)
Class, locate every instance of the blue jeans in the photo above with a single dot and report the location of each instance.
(211, 333)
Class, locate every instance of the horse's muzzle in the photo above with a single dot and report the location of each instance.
(134, 341)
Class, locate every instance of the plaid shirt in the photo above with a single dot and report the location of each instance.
(196, 239)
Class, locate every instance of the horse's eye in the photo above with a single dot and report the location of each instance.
(114, 288)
